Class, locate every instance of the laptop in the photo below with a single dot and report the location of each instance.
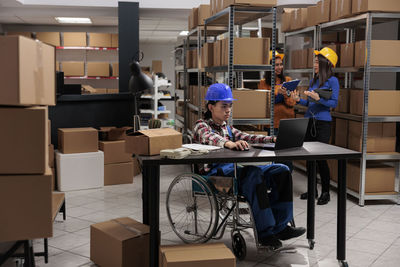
(291, 135)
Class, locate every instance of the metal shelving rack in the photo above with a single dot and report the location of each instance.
(349, 25)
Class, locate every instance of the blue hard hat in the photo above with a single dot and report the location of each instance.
(219, 92)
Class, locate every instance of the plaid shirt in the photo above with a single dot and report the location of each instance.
(208, 132)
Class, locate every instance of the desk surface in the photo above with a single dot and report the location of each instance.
(309, 151)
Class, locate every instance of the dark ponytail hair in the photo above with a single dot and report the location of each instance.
(208, 114)
(325, 71)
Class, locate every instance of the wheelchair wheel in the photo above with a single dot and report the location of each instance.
(239, 246)
(192, 208)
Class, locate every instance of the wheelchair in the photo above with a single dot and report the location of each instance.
(201, 208)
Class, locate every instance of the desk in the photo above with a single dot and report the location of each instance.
(310, 151)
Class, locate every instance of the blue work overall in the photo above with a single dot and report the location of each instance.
(269, 191)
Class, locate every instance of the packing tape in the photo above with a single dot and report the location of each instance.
(129, 228)
(39, 74)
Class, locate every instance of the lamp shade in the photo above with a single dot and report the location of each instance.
(139, 81)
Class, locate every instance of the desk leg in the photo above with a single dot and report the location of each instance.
(154, 214)
(341, 219)
(146, 172)
(312, 174)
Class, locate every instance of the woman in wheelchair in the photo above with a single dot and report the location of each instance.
(267, 188)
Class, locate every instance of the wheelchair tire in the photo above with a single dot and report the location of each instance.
(192, 208)
(239, 246)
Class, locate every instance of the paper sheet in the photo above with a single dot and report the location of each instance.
(200, 147)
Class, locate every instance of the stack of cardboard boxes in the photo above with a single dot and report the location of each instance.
(27, 74)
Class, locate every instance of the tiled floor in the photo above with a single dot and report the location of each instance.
(373, 231)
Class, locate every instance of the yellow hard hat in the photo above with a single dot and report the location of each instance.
(329, 54)
(281, 56)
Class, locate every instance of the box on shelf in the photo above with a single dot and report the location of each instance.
(75, 39)
(217, 53)
(51, 38)
(24, 140)
(115, 69)
(118, 173)
(211, 255)
(312, 16)
(258, 56)
(25, 34)
(264, 3)
(77, 140)
(347, 55)
(80, 171)
(73, 68)
(380, 102)
(120, 242)
(101, 69)
(341, 133)
(112, 91)
(27, 72)
(151, 142)
(250, 98)
(114, 152)
(204, 12)
(383, 53)
(296, 20)
(156, 66)
(323, 11)
(340, 9)
(361, 6)
(207, 55)
(87, 90)
(381, 136)
(25, 205)
(99, 39)
(286, 20)
(114, 40)
(378, 177)
(310, 58)
(193, 18)
(303, 59)
(343, 101)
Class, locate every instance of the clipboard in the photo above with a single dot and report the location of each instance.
(291, 85)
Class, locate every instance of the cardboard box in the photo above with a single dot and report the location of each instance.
(121, 242)
(77, 140)
(204, 13)
(50, 38)
(361, 6)
(295, 20)
(101, 69)
(112, 91)
(312, 16)
(343, 101)
(380, 102)
(347, 55)
(25, 207)
(217, 53)
(75, 39)
(137, 168)
(250, 98)
(24, 140)
(156, 66)
(264, 3)
(115, 69)
(381, 136)
(151, 142)
(341, 133)
(51, 156)
(53, 179)
(323, 11)
(303, 58)
(99, 39)
(259, 48)
(25, 34)
(27, 72)
(118, 173)
(378, 178)
(286, 19)
(344, 9)
(383, 53)
(210, 255)
(114, 152)
(310, 58)
(114, 40)
(207, 55)
(193, 18)
(333, 169)
(73, 68)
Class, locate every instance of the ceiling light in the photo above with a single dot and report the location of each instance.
(183, 33)
(74, 20)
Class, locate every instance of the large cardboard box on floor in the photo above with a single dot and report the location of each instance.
(24, 141)
(383, 53)
(381, 136)
(257, 99)
(343, 101)
(27, 72)
(361, 6)
(378, 178)
(99, 39)
(341, 132)
(73, 68)
(51, 38)
(114, 152)
(259, 48)
(118, 173)
(265, 3)
(121, 242)
(151, 142)
(347, 55)
(75, 39)
(380, 102)
(77, 140)
(101, 69)
(25, 207)
(323, 11)
(210, 255)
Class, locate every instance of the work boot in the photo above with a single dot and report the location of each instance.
(305, 195)
(324, 198)
(271, 241)
(290, 232)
